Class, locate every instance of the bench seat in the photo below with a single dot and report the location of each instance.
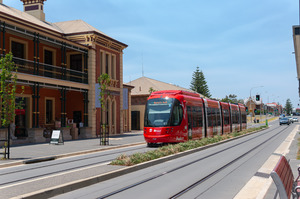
(284, 180)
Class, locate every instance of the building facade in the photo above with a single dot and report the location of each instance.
(296, 38)
(254, 107)
(58, 64)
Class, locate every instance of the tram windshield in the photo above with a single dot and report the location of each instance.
(161, 112)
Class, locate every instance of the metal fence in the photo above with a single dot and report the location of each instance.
(46, 70)
(104, 134)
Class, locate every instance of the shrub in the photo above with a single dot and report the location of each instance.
(170, 149)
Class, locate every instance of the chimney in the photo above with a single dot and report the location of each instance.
(34, 8)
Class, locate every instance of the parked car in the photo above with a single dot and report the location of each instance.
(295, 119)
(284, 120)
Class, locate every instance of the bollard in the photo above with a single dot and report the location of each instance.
(267, 122)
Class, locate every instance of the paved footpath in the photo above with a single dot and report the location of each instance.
(261, 185)
(38, 152)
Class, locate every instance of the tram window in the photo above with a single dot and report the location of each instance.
(233, 117)
(177, 114)
(194, 122)
(197, 117)
(218, 117)
(236, 117)
(244, 117)
(214, 116)
(158, 112)
(239, 117)
(210, 116)
(226, 116)
(189, 113)
(200, 118)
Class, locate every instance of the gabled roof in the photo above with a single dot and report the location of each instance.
(65, 28)
(23, 16)
(76, 26)
(272, 104)
(254, 101)
(143, 84)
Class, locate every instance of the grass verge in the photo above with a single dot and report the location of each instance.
(170, 149)
(298, 154)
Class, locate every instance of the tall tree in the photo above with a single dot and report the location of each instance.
(151, 90)
(198, 83)
(8, 87)
(288, 106)
(232, 98)
(104, 82)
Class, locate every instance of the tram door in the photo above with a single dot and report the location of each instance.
(190, 121)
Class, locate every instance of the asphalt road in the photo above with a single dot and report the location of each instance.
(221, 171)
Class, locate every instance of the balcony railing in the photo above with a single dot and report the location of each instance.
(45, 70)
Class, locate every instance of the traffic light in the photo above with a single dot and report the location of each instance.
(246, 109)
(255, 110)
(257, 97)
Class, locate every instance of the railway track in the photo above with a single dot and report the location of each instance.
(81, 163)
(208, 176)
(192, 186)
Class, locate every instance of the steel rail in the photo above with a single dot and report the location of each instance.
(62, 163)
(221, 168)
(185, 165)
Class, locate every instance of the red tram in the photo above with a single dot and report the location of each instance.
(176, 116)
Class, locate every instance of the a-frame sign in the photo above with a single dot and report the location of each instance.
(57, 137)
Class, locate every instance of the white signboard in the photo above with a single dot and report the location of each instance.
(56, 137)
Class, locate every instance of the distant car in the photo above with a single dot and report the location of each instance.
(284, 120)
(295, 119)
(291, 119)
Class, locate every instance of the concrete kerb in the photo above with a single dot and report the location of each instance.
(64, 188)
(47, 158)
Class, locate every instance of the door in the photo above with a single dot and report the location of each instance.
(20, 118)
(189, 113)
(135, 120)
(76, 68)
(48, 69)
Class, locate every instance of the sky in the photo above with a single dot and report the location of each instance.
(241, 46)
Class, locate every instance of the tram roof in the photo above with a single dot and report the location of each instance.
(176, 92)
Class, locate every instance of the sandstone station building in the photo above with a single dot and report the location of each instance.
(59, 63)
